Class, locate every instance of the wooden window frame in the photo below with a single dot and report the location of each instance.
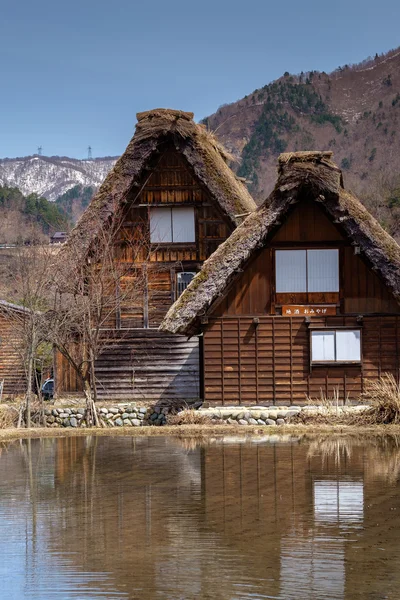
(177, 273)
(335, 363)
(176, 245)
(306, 249)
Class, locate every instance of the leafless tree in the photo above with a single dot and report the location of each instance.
(90, 290)
(28, 276)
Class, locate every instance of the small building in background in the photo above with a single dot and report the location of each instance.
(302, 300)
(59, 237)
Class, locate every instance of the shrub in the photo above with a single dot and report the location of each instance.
(189, 417)
(384, 396)
(8, 417)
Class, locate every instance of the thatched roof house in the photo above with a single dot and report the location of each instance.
(205, 155)
(300, 174)
(172, 199)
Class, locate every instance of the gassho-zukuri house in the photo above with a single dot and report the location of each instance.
(301, 299)
(179, 196)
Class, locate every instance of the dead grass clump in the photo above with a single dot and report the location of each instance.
(189, 417)
(328, 402)
(8, 417)
(384, 397)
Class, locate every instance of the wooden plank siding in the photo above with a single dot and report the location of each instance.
(149, 365)
(12, 369)
(253, 293)
(139, 365)
(270, 362)
(65, 377)
(170, 183)
(143, 363)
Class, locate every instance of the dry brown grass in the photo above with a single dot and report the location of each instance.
(8, 417)
(189, 417)
(384, 397)
(328, 402)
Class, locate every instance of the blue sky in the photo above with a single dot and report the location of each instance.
(75, 73)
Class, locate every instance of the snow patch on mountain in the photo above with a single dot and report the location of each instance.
(52, 176)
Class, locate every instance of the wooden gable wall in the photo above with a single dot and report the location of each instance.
(171, 182)
(362, 291)
(268, 360)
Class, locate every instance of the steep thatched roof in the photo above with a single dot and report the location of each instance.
(201, 149)
(300, 174)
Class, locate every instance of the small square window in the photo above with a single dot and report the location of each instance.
(182, 281)
(341, 345)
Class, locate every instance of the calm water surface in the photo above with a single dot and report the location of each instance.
(168, 519)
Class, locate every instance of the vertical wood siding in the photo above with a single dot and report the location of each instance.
(245, 364)
(12, 369)
(65, 377)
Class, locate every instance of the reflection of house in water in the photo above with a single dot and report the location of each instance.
(163, 519)
(338, 501)
(315, 562)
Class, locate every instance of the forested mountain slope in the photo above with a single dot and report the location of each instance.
(354, 111)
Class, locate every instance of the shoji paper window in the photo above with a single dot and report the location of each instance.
(160, 225)
(291, 270)
(323, 346)
(348, 345)
(342, 345)
(182, 281)
(174, 225)
(183, 224)
(307, 270)
(323, 270)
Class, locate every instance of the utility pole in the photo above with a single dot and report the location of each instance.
(89, 152)
(39, 150)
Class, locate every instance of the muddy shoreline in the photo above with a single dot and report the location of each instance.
(204, 431)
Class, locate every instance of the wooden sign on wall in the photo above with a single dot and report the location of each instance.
(313, 310)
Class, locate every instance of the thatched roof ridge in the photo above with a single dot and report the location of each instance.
(202, 150)
(313, 174)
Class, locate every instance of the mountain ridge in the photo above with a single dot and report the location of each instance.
(53, 176)
(353, 111)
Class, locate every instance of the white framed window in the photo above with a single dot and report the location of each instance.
(182, 281)
(307, 270)
(172, 225)
(336, 345)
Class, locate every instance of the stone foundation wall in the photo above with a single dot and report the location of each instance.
(130, 415)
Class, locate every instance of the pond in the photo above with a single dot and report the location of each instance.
(177, 519)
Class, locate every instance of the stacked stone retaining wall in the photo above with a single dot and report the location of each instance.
(131, 415)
